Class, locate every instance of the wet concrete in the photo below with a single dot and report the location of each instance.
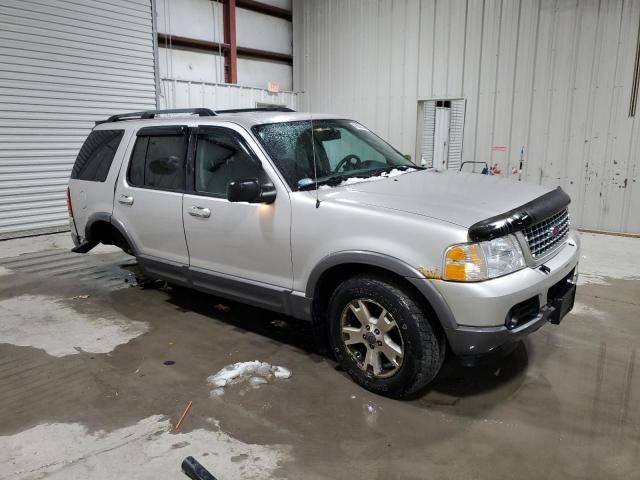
(563, 404)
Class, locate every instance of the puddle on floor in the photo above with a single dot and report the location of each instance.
(38, 321)
(147, 450)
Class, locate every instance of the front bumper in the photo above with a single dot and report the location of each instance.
(483, 310)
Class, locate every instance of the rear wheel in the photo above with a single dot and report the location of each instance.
(382, 337)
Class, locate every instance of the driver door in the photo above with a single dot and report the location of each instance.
(235, 242)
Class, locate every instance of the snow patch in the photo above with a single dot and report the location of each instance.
(354, 180)
(371, 413)
(37, 320)
(390, 174)
(216, 392)
(144, 451)
(257, 381)
(257, 372)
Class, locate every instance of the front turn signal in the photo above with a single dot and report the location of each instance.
(464, 263)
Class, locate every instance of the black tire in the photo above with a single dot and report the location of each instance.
(423, 347)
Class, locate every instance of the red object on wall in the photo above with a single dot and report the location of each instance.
(230, 55)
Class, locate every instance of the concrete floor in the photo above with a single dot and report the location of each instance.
(85, 393)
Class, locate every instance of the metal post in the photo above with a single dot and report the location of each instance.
(231, 55)
(156, 59)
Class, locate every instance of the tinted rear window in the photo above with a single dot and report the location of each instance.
(96, 155)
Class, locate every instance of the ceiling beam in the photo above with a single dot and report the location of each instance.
(265, 55)
(265, 9)
(166, 41)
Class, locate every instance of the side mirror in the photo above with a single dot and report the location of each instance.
(251, 191)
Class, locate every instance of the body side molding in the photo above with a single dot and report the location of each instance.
(261, 295)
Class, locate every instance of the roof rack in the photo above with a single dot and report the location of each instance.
(256, 109)
(202, 112)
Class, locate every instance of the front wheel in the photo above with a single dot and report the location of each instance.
(383, 338)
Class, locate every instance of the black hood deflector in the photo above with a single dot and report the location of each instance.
(520, 217)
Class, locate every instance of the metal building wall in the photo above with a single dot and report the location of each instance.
(184, 94)
(553, 76)
(202, 20)
(63, 65)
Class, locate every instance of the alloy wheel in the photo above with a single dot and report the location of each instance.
(372, 337)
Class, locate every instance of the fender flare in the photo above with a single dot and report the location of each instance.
(389, 263)
(117, 224)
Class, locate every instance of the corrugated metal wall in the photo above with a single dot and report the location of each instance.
(183, 94)
(553, 76)
(63, 65)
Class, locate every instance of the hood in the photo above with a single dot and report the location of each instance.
(456, 197)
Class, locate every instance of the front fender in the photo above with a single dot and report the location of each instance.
(391, 264)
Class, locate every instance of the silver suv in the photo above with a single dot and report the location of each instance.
(318, 218)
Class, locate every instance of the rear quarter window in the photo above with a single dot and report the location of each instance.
(96, 155)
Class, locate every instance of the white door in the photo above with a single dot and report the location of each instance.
(243, 241)
(441, 138)
(148, 198)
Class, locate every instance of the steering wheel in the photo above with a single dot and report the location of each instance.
(351, 161)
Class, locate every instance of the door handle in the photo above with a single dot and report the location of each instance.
(126, 199)
(200, 212)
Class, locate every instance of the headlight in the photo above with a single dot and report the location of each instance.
(473, 262)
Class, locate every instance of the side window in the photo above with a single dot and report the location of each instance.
(157, 161)
(96, 155)
(222, 158)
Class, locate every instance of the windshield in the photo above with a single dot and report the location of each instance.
(343, 149)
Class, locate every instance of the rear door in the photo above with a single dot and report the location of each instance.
(242, 241)
(94, 173)
(148, 198)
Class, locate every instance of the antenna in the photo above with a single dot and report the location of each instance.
(315, 167)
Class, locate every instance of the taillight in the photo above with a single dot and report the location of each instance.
(69, 209)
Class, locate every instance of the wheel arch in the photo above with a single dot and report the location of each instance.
(102, 227)
(328, 273)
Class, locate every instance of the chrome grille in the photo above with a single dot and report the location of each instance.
(548, 235)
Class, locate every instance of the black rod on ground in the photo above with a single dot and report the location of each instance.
(192, 469)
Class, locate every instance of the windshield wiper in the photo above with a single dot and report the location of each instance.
(334, 180)
(402, 168)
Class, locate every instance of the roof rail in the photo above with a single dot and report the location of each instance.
(257, 109)
(202, 112)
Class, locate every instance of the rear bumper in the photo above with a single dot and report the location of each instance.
(79, 246)
(74, 231)
(76, 240)
(497, 312)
